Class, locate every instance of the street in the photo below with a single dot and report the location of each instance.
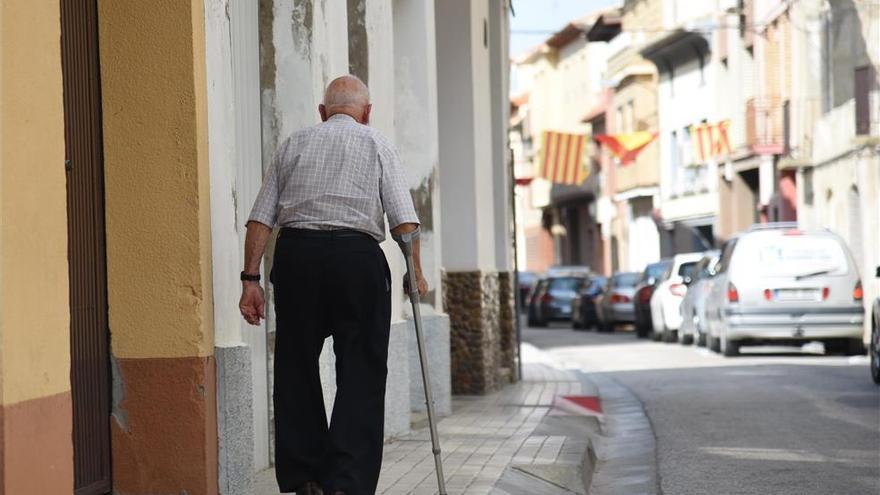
(773, 421)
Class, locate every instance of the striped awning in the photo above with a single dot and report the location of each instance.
(562, 158)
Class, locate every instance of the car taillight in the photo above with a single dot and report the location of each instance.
(678, 289)
(732, 293)
(768, 294)
(858, 292)
(825, 293)
(645, 295)
(619, 298)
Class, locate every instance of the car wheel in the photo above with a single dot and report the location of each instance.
(729, 348)
(701, 340)
(714, 344)
(686, 339)
(641, 331)
(576, 325)
(855, 347)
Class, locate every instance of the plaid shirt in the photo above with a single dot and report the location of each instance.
(336, 175)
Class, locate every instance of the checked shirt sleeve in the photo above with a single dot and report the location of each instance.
(396, 198)
(265, 210)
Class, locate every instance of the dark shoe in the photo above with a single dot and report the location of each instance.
(310, 488)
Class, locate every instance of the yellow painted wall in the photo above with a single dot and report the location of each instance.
(156, 173)
(34, 315)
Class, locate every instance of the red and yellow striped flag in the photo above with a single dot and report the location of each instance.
(562, 158)
(710, 140)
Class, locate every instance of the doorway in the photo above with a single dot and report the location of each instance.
(89, 333)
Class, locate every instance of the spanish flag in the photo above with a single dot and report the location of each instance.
(561, 159)
(626, 147)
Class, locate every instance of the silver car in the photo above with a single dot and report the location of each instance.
(777, 283)
(693, 307)
(615, 305)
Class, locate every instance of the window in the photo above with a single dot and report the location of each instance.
(863, 100)
(808, 186)
(630, 110)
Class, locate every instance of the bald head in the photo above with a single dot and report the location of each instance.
(347, 95)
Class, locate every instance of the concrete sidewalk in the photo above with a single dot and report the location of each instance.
(524, 439)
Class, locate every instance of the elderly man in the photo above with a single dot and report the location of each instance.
(328, 188)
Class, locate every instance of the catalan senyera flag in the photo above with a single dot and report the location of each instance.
(562, 158)
(710, 140)
(626, 147)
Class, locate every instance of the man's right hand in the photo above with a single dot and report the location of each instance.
(253, 303)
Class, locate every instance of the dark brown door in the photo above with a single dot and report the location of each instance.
(89, 335)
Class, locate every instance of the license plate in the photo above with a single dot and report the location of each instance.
(797, 295)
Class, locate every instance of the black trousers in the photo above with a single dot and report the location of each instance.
(330, 285)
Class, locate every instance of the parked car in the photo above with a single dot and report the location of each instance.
(554, 299)
(583, 307)
(668, 295)
(615, 306)
(562, 270)
(654, 273)
(777, 283)
(525, 282)
(875, 338)
(533, 301)
(693, 307)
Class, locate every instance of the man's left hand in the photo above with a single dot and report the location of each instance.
(252, 304)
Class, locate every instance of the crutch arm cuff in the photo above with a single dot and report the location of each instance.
(407, 237)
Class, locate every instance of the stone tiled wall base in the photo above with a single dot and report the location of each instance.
(476, 305)
(507, 327)
(436, 331)
(235, 425)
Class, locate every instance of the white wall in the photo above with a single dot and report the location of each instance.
(684, 100)
(232, 58)
(416, 133)
(466, 177)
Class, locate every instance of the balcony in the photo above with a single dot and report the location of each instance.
(767, 125)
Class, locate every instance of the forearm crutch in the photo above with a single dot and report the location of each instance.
(405, 241)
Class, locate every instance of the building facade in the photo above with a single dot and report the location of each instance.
(688, 68)
(160, 119)
(566, 74)
(633, 187)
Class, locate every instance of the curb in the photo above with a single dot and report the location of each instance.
(622, 459)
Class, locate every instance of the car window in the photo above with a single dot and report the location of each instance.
(655, 271)
(793, 255)
(687, 269)
(565, 284)
(726, 254)
(626, 279)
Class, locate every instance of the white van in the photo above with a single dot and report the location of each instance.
(777, 283)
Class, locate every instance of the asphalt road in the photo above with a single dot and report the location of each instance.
(774, 421)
